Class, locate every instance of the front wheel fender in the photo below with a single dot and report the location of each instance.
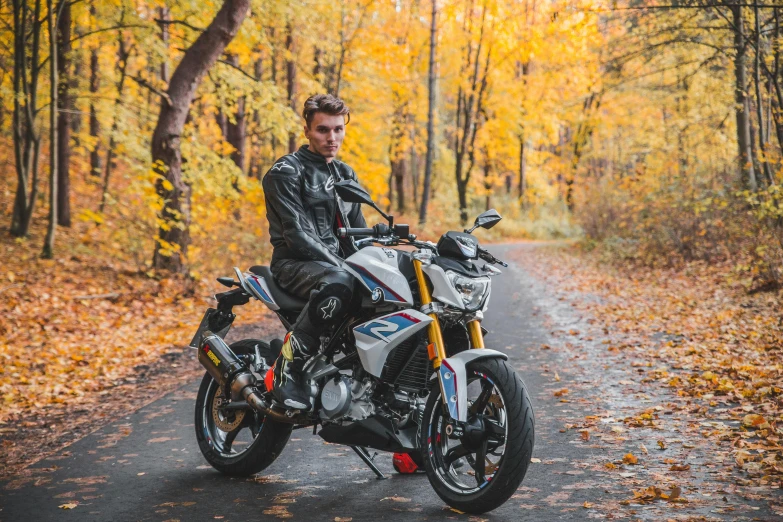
(452, 375)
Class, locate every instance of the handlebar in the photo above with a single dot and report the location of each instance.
(380, 230)
(489, 258)
(350, 232)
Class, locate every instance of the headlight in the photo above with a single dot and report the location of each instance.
(472, 290)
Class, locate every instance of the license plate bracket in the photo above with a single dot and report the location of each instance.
(204, 326)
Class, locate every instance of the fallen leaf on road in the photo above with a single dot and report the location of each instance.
(396, 499)
(279, 512)
(754, 420)
(69, 505)
(662, 444)
(560, 393)
(588, 505)
(535, 460)
(343, 519)
(162, 439)
(630, 458)
(585, 434)
(643, 449)
(140, 474)
(680, 467)
(87, 481)
(557, 377)
(609, 465)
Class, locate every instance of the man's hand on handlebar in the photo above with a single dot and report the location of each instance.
(381, 230)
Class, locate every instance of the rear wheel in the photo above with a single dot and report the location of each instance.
(242, 442)
(479, 470)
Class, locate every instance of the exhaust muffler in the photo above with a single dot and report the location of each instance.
(229, 371)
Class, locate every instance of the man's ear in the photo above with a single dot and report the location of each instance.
(306, 131)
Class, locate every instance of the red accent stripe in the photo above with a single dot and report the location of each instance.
(409, 317)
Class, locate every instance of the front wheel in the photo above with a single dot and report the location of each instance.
(239, 443)
(479, 470)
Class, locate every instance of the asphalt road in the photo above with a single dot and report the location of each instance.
(147, 465)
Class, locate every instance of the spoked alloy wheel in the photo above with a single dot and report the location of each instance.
(230, 433)
(238, 443)
(478, 470)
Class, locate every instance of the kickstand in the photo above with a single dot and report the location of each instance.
(369, 461)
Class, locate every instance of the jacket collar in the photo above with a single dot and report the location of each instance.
(309, 155)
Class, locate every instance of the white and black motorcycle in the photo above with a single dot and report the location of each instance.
(406, 372)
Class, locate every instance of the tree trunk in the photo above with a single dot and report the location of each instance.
(26, 136)
(54, 86)
(95, 127)
(171, 246)
(777, 108)
(414, 168)
(425, 192)
(65, 106)
(122, 61)
(522, 170)
(290, 68)
(745, 156)
(74, 85)
(487, 182)
(164, 13)
(763, 138)
(236, 130)
(256, 138)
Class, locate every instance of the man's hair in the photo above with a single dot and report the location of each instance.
(326, 103)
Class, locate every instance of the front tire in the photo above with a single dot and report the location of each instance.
(260, 440)
(477, 474)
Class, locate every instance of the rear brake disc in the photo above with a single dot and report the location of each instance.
(225, 420)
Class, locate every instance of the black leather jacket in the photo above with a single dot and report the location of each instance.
(303, 209)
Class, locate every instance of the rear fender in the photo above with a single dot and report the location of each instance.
(454, 381)
(256, 286)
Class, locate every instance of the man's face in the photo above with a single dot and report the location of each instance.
(326, 133)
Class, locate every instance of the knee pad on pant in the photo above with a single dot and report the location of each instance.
(330, 303)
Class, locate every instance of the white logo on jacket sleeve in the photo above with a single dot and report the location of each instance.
(280, 165)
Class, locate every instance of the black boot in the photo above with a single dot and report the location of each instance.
(290, 389)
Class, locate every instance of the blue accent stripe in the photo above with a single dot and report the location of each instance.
(373, 283)
(400, 320)
(449, 388)
(260, 290)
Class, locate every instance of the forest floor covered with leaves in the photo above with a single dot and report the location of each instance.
(678, 386)
(85, 338)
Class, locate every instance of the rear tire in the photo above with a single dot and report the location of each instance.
(451, 482)
(270, 436)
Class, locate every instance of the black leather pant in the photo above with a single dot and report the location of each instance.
(316, 281)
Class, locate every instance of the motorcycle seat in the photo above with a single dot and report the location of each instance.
(283, 299)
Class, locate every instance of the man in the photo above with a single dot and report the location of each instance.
(303, 212)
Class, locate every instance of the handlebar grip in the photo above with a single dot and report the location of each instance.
(349, 232)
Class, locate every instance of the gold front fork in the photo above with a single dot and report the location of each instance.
(437, 349)
(476, 337)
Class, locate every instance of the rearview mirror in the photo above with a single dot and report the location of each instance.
(486, 220)
(351, 192)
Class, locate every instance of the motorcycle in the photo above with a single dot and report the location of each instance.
(406, 372)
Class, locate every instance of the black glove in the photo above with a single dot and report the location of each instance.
(381, 230)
